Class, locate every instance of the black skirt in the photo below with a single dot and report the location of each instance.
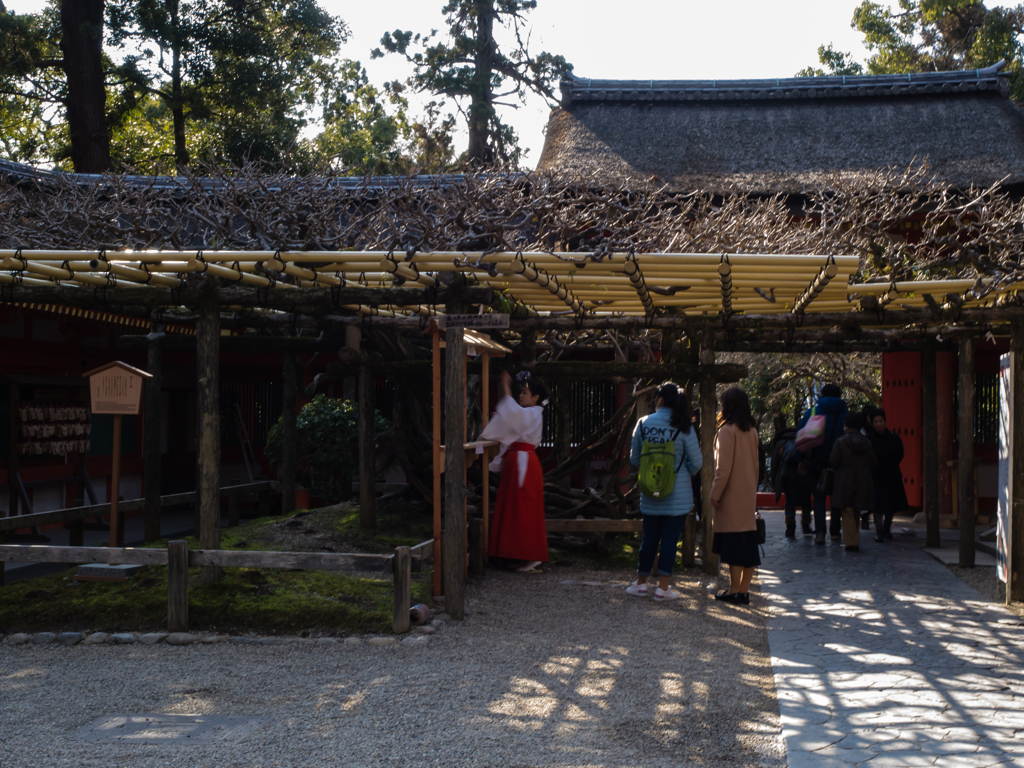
(739, 548)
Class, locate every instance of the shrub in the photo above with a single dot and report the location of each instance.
(328, 445)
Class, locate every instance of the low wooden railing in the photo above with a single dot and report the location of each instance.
(179, 558)
(78, 514)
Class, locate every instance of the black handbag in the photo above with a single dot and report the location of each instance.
(762, 530)
(826, 481)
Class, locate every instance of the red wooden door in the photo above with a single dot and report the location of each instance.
(901, 400)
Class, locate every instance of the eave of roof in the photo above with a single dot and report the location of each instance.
(991, 79)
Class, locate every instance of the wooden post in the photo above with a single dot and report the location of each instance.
(289, 433)
(708, 417)
(233, 515)
(1015, 569)
(402, 569)
(367, 456)
(177, 586)
(76, 533)
(116, 529)
(965, 461)
(435, 369)
(208, 402)
(152, 436)
(485, 410)
(930, 444)
(477, 546)
(453, 551)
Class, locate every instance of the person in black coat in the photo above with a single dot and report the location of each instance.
(890, 494)
(786, 478)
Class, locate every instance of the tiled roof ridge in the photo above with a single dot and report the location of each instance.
(990, 79)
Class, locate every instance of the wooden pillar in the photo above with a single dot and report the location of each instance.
(208, 400)
(367, 454)
(1015, 569)
(12, 490)
(930, 444)
(177, 586)
(152, 435)
(435, 374)
(116, 524)
(965, 461)
(289, 432)
(402, 571)
(453, 551)
(708, 418)
(562, 400)
(485, 460)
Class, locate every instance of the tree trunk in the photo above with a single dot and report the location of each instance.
(152, 438)
(481, 108)
(289, 433)
(177, 101)
(82, 43)
(208, 391)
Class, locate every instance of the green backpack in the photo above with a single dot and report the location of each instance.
(658, 467)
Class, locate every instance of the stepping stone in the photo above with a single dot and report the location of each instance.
(214, 639)
(240, 640)
(380, 642)
(181, 638)
(358, 640)
(124, 638)
(152, 638)
(44, 638)
(18, 638)
(421, 640)
(97, 638)
(70, 638)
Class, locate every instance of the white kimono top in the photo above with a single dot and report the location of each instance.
(512, 423)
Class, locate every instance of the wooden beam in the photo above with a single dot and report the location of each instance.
(236, 344)
(965, 461)
(208, 404)
(282, 297)
(453, 550)
(708, 417)
(402, 569)
(177, 586)
(592, 370)
(1015, 580)
(289, 432)
(37, 553)
(930, 445)
(319, 561)
(152, 435)
(367, 453)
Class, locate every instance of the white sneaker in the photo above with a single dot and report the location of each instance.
(638, 590)
(665, 594)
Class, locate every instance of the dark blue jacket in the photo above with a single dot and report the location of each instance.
(834, 409)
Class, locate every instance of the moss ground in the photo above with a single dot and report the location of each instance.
(258, 601)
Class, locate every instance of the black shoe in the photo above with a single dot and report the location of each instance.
(819, 538)
(887, 533)
(853, 548)
(836, 537)
(790, 531)
(865, 524)
(744, 598)
(726, 596)
(879, 537)
(806, 528)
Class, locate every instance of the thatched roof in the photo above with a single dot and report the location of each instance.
(788, 135)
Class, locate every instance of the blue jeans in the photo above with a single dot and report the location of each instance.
(665, 529)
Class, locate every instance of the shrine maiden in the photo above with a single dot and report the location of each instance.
(517, 528)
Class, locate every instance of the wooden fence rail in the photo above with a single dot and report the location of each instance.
(232, 492)
(180, 558)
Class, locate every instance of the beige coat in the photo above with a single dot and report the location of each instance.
(735, 486)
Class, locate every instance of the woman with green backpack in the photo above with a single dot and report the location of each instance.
(666, 451)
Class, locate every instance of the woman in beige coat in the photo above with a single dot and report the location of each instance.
(734, 495)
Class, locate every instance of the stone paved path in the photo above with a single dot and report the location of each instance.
(884, 658)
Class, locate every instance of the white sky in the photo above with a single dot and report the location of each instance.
(631, 39)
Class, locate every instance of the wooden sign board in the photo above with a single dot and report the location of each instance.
(490, 320)
(116, 388)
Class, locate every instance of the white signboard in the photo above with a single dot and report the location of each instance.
(490, 320)
(1005, 481)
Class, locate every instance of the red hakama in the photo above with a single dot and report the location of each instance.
(517, 528)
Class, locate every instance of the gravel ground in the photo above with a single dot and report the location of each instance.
(987, 582)
(541, 673)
